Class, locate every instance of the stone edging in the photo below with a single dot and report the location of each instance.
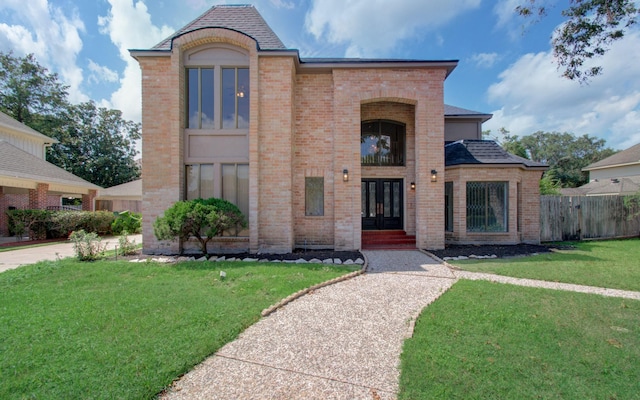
(289, 299)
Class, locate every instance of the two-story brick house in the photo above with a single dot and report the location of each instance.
(317, 151)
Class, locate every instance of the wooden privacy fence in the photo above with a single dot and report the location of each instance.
(586, 217)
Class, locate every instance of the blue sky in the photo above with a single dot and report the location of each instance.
(506, 67)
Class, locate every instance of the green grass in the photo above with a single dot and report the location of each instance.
(611, 264)
(123, 330)
(483, 340)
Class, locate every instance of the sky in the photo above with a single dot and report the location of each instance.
(506, 65)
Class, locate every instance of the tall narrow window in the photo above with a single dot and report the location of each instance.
(199, 181)
(487, 206)
(200, 98)
(314, 196)
(448, 206)
(235, 185)
(235, 98)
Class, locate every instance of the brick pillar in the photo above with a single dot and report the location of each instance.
(88, 201)
(38, 196)
(4, 229)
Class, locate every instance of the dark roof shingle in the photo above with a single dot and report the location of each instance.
(242, 18)
(482, 152)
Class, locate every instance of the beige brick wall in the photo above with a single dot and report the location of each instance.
(313, 157)
(529, 231)
(275, 154)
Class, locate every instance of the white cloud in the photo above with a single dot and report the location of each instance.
(485, 60)
(534, 97)
(372, 28)
(100, 73)
(53, 37)
(505, 10)
(129, 26)
(287, 5)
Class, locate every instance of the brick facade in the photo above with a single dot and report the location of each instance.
(523, 208)
(308, 124)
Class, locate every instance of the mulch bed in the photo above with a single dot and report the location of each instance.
(501, 251)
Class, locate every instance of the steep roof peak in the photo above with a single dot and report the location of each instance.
(243, 18)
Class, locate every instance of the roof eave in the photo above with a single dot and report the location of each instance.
(588, 168)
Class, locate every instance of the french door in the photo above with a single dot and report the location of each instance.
(382, 204)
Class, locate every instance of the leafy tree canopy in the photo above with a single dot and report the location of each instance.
(95, 143)
(590, 28)
(565, 154)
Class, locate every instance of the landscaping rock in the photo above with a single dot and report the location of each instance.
(327, 261)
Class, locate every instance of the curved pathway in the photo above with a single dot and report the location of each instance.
(339, 342)
(342, 341)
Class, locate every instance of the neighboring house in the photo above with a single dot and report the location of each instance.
(124, 197)
(618, 174)
(27, 180)
(316, 151)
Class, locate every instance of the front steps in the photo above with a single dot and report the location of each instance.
(388, 240)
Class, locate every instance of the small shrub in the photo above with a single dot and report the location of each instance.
(62, 223)
(127, 221)
(126, 247)
(87, 246)
(202, 219)
(97, 221)
(33, 222)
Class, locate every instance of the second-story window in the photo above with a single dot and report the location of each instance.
(217, 98)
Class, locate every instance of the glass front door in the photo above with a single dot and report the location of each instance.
(382, 204)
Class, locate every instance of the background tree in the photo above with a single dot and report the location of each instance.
(565, 154)
(591, 27)
(96, 143)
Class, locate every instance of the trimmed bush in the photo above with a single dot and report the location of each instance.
(43, 224)
(202, 219)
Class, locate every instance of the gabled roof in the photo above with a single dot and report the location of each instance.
(488, 152)
(17, 163)
(457, 112)
(625, 157)
(129, 189)
(15, 126)
(242, 18)
(611, 186)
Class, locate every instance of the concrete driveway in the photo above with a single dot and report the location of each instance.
(15, 258)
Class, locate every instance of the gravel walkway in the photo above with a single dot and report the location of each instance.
(342, 341)
(339, 342)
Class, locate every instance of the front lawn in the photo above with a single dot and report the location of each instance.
(122, 330)
(610, 264)
(484, 340)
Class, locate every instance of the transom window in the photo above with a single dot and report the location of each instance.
(217, 98)
(382, 143)
(487, 206)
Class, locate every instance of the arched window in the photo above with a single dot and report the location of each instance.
(382, 143)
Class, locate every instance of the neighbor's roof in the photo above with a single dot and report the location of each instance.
(625, 157)
(242, 18)
(464, 152)
(611, 186)
(453, 111)
(16, 126)
(17, 163)
(129, 189)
